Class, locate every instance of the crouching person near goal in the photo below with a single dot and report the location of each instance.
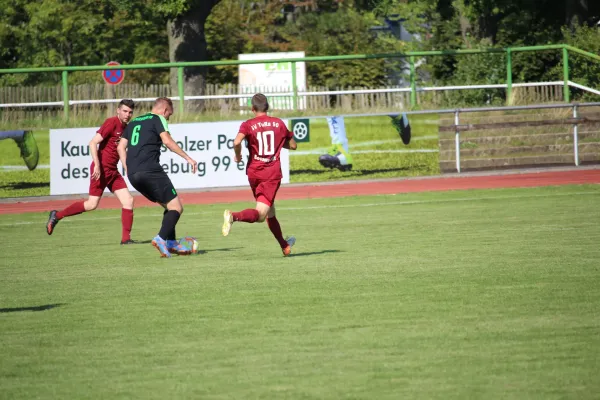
(265, 136)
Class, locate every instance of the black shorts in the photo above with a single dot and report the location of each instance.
(154, 185)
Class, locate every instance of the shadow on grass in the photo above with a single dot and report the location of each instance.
(314, 253)
(354, 172)
(33, 308)
(25, 185)
(204, 251)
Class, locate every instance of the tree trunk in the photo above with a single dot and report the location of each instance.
(187, 42)
(488, 27)
(465, 26)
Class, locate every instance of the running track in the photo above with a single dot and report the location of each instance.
(340, 189)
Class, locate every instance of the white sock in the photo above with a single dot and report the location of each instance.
(337, 131)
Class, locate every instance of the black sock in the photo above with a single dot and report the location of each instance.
(170, 218)
(170, 236)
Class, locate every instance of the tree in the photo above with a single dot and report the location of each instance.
(12, 16)
(243, 26)
(187, 40)
(58, 33)
(344, 31)
(581, 12)
(453, 24)
(582, 69)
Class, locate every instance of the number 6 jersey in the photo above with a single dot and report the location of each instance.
(144, 142)
(265, 137)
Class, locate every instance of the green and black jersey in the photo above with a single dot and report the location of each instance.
(143, 135)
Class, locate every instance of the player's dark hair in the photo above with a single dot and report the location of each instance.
(260, 103)
(127, 103)
(163, 100)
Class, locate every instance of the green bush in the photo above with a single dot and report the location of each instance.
(582, 69)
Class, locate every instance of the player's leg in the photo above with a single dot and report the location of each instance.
(249, 215)
(74, 209)
(27, 145)
(118, 186)
(173, 211)
(264, 193)
(172, 234)
(171, 237)
(285, 244)
(166, 195)
(147, 184)
(339, 155)
(126, 200)
(15, 135)
(402, 125)
(97, 187)
(268, 193)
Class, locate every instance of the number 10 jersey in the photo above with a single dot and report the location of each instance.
(265, 137)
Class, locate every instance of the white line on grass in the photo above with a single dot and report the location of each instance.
(414, 202)
(396, 151)
(321, 150)
(375, 142)
(21, 167)
(381, 204)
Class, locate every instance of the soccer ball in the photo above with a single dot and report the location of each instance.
(190, 242)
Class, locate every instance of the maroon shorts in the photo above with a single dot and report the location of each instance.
(265, 191)
(110, 179)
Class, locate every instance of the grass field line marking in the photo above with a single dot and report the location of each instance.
(310, 152)
(361, 144)
(324, 207)
(375, 142)
(322, 121)
(21, 167)
(413, 202)
(396, 151)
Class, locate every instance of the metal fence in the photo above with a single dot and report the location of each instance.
(227, 97)
(574, 120)
(295, 93)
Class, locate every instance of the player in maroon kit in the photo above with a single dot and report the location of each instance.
(265, 136)
(104, 173)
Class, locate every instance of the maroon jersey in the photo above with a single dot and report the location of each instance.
(111, 131)
(265, 137)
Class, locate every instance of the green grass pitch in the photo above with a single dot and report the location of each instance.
(465, 294)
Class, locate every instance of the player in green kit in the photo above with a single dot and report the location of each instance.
(139, 151)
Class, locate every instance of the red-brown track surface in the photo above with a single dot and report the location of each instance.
(338, 189)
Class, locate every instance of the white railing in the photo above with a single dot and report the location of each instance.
(306, 93)
(574, 107)
(457, 111)
(587, 89)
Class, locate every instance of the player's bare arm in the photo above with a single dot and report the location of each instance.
(96, 140)
(174, 147)
(122, 150)
(290, 144)
(237, 147)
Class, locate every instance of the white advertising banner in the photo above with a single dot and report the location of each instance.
(209, 143)
(272, 77)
